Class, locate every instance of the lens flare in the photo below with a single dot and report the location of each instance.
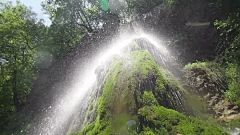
(104, 4)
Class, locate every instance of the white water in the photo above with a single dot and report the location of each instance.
(56, 116)
(53, 122)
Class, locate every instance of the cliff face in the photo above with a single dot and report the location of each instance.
(135, 90)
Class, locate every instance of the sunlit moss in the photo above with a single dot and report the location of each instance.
(200, 65)
(149, 99)
(159, 119)
(119, 87)
(118, 103)
(213, 70)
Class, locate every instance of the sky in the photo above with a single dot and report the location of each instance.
(36, 7)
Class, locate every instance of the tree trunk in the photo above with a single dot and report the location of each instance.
(15, 94)
(17, 101)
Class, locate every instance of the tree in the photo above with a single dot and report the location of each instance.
(73, 12)
(17, 65)
(230, 31)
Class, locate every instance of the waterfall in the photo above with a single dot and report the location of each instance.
(68, 112)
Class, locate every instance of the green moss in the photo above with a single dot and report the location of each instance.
(198, 65)
(148, 131)
(211, 68)
(159, 119)
(214, 71)
(118, 94)
(195, 126)
(142, 62)
(122, 96)
(149, 99)
(119, 122)
(86, 129)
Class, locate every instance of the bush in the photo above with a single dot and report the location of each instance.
(233, 94)
(230, 29)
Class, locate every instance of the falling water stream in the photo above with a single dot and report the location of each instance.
(57, 117)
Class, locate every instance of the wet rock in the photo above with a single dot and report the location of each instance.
(229, 118)
(211, 91)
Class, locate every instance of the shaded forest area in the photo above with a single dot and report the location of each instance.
(29, 48)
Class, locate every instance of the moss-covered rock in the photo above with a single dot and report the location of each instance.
(210, 80)
(121, 97)
(160, 120)
(135, 89)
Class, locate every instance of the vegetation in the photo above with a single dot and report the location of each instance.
(123, 76)
(219, 74)
(233, 93)
(213, 70)
(230, 29)
(161, 120)
(27, 47)
(17, 64)
(234, 123)
(117, 105)
(229, 65)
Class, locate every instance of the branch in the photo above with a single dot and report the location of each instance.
(86, 19)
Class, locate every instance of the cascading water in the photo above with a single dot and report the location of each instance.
(58, 117)
(68, 113)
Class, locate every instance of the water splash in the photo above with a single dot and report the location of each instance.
(55, 120)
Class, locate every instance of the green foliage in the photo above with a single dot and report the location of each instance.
(233, 94)
(71, 21)
(77, 16)
(86, 129)
(230, 29)
(17, 65)
(214, 71)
